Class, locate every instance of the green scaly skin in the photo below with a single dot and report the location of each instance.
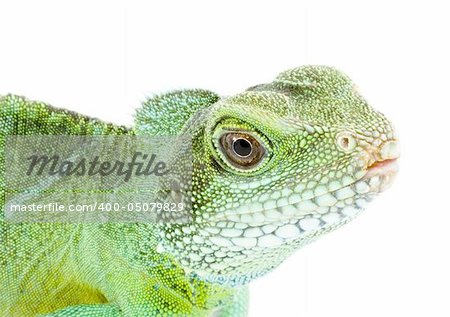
(323, 146)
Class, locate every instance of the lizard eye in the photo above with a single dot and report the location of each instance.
(242, 150)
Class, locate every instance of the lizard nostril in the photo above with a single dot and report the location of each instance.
(389, 150)
(346, 141)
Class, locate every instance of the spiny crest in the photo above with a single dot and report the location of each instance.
(166, 114)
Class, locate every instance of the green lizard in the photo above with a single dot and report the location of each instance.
(274, 167)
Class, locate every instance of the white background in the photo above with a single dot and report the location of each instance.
(102, 58)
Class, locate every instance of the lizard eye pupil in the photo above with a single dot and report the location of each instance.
(242, 150)
(242, 147)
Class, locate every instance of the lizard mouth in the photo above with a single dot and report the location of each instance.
(383, 172)
(382, 167)
(376, 179)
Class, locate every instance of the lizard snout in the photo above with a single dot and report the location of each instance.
(381, 164)
(372, 154)
(389, 150)
(386, 151)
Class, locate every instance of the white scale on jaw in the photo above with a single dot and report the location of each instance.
(274, 222)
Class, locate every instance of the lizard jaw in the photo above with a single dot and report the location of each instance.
(273, 233)
(375, 179)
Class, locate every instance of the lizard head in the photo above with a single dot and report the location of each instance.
(277, 166)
